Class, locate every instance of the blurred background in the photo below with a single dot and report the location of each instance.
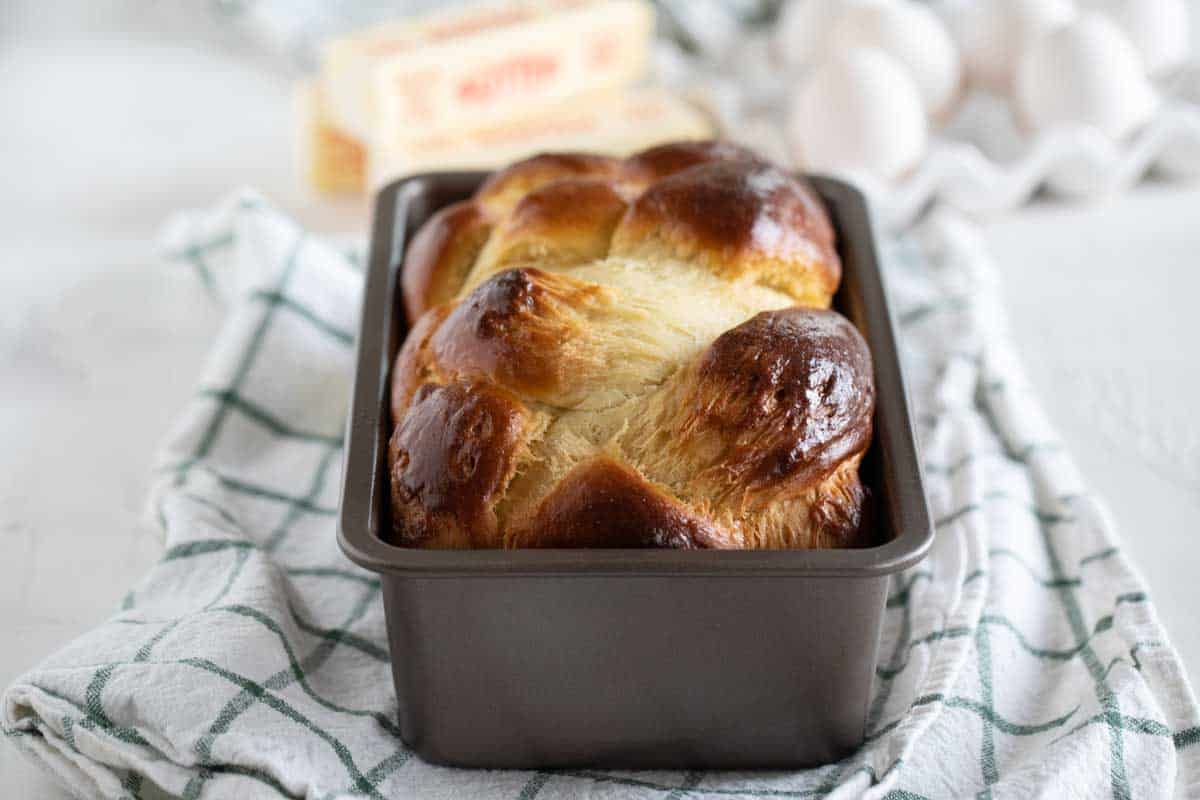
(117, 114)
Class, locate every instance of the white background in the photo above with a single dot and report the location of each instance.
(114, 114)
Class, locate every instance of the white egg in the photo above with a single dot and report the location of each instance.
(914, 36)
(1087, 73)
(1157, 28)
(859, 111)
(993, 33)
(802, 34)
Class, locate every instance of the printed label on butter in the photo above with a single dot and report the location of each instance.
(349, 63)
(481, 68)
(615, 122)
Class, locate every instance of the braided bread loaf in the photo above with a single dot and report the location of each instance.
(629, 353)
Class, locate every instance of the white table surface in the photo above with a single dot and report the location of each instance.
(115, 117)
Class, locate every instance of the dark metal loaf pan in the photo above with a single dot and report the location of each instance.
(629, 658)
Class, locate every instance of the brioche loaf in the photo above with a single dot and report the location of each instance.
(629, 353)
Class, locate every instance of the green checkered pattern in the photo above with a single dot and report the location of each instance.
(1022, 657)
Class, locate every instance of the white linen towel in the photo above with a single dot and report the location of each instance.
(1022, 658)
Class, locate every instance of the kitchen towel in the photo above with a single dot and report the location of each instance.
(1021, 658)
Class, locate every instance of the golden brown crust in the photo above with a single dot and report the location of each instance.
(563, 223)
(505, 188)
(450, 458)
(602, 503)
(790, 393)
(714, 205)
(645, 168)
(441, 255)
(507, 330)
(611, 356)
(413, 363)
(745, 221)
(763, 432)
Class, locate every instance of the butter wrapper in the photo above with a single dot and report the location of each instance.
(615, 122)
(481, 63)
(330, 161)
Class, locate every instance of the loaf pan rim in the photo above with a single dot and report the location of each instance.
(363, 445)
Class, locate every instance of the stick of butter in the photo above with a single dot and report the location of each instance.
(483, 62)
(614, 122)
(330, 160)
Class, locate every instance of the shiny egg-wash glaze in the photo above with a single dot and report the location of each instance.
(630, 353)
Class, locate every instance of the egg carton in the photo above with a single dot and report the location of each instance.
(981, 163)
(1075, 163)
